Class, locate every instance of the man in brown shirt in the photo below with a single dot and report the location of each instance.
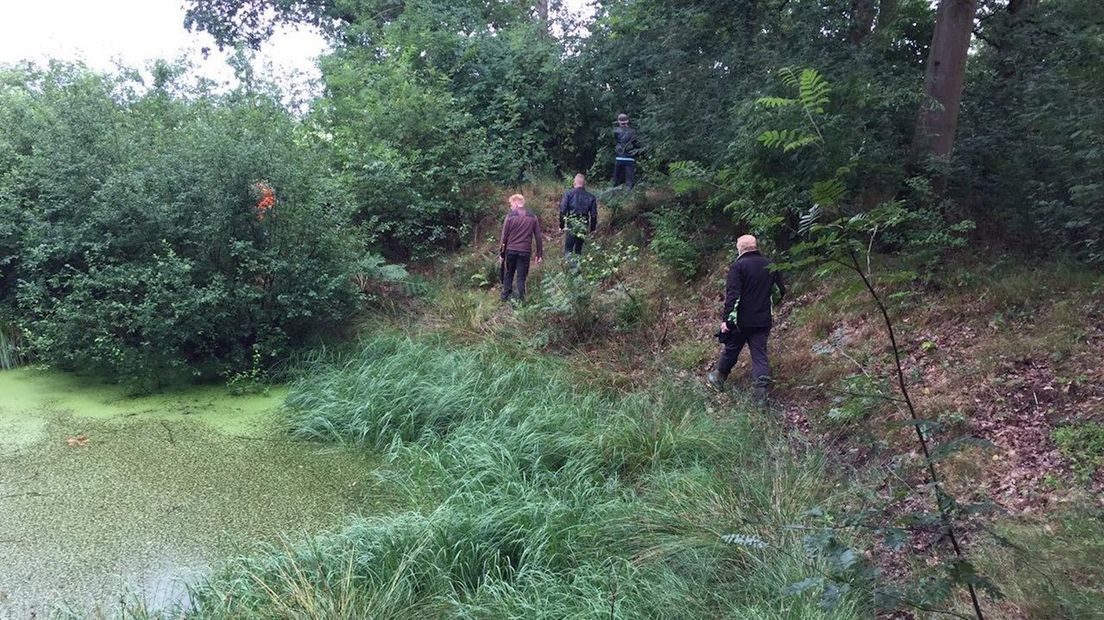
(520, 229)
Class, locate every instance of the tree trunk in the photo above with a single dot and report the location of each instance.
(542, 10)
(862, 21)
(946, 76)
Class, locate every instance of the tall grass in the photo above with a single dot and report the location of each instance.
(536, 495)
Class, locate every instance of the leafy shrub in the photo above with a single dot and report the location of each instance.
(568, 308)
(405, 149)
(585, 298)
(671, 246)
(140, 252)
(602, 263)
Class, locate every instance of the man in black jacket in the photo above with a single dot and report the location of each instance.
(578, 215)
(625, 149)
(746, 318)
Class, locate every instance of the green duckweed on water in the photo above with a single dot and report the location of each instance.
(165, 487)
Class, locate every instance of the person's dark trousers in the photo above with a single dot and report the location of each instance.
(573, 244)
(624, 173)
(756, 340)
(517, 266)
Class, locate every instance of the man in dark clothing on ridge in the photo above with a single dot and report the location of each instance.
(746, 318)
(626, 147)
(578, 215)
(520, 229)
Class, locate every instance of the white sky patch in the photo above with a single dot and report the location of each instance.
(105, 33)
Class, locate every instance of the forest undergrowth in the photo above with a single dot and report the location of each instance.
(562, 459)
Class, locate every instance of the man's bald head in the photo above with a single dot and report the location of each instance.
(745, 244)
(580, 181)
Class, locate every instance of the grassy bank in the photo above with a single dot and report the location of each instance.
(538, 495)
(556, 460)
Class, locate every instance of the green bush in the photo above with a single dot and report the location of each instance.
(139, 252)
(586, 298)
(671, 246)
(406, 150)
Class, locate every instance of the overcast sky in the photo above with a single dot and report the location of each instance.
(102, 32)
(134, 32)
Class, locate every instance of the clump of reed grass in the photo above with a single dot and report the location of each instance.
(537, 495)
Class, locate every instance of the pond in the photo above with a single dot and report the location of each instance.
(104, 495)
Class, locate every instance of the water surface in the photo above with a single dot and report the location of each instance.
(162, 489)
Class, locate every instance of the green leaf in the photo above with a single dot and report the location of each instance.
(802, 586)
(775, 102)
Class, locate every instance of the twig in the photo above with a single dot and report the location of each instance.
(870, 250)
(940, 494)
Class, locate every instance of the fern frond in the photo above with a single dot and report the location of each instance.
(813, 91)
(799, 141)
(809, 218)
(789, 77)
(744, 540)
(786, 139)
(775, 102)
(829, 192)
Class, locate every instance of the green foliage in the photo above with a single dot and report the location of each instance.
(787, 139)
(812, 96)
(139, 252)
(1030, 143)
(671, 244)
(838, 233)
(603, 262)
(253, 380)
(568, 309)
(857, 398)
(404, 148)
(586, 298)
(1083, 445)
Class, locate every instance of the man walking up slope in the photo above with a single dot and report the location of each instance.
(746, 318)
(578, 215)
(626, 147)
(520, 229)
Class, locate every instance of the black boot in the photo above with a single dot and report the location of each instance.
(715, 381)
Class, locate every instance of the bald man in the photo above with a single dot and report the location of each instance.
(578, 215)
(746, 318)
